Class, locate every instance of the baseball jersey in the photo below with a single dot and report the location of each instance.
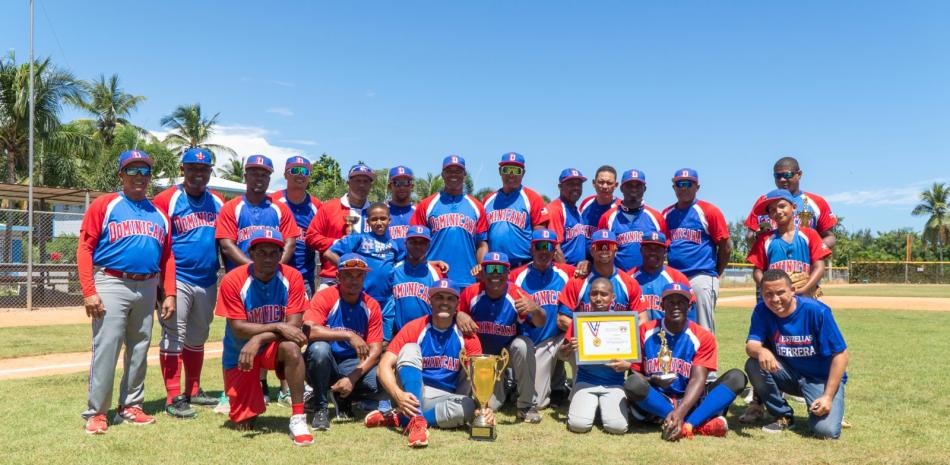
(498, 321)
(822, 220)
(511, 218)
(457, 223)
(241, 296)
(565, 221)
(692, 346)
(238, 219)
(576, 294)
(596, 374)
(806, 340)
(380, 253)
(410, 293)
(399, 218)
(652, 284)
(328, 226)
(545, 288)
(365, 319)
(305, 260)
(125, 235)
(770, 251)
(630, 226)
(694, 233)
(192, 228)
(440, 351)
(590, 212)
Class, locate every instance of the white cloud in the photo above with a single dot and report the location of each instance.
(306, 142)
(883, 197)
(282, 111)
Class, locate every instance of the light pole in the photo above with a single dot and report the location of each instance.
(29, 204)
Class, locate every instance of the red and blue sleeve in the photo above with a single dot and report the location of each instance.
(539, 213)
(408, 334)
(297, 294)
(374, 327)
(567, 301)
(556, 219)
(167, 263)
(706, 355)
(816, 247)
(757, 254)
(320, 307)
(481, 225)
(637, 303)
(752, 221)
(225, 227)
(603, 222)
(473, 345)
(465, 298)
(419, 215)
(229, 304)
(89, 234)
(718, 228)
(637, 367)
(827, 220)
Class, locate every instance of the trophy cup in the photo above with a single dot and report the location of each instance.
(805, 216)
(351, 221)
(665, 358)
(483, 372)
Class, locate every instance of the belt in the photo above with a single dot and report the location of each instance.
(132, 276)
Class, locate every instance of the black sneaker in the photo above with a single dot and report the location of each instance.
(780, 424)
(266, 390)
(321, 420)
(180, 408)
(203, 399)
(529, 414)
(309, 402)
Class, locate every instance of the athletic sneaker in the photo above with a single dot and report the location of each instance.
(754, 412)
(299, 431)
(97, 424)
(180, 408)
(669, 434)
(321, 420)
(799, 399)
(266, 390)
(309, 402)
(418, 430)
(377, 418)
(529, 415)
(133, 416)
(203, 399)
(283, 398)
(717, 427)
(780, 424)
(224, 405)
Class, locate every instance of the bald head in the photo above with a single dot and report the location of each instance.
(786, 164)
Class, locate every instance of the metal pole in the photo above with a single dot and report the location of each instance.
(29, 205)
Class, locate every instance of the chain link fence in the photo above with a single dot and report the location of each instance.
(740, 275)
(900, 272)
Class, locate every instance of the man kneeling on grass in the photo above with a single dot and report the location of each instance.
(264, 303)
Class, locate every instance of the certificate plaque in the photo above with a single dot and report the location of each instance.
(605, 336)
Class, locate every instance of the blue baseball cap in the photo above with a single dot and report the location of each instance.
(495, 258)
(512, 158)
(677, 288)
(453, 160)
(361, 169)
(654, 237)
(444, 285)
(400, 172)
(762, 206)
(603, 235)
(297, 160)
(266, 236)
(198, 156)
(419, 231)
(352, 261)
(687, 174)
(543, 235)
(633, 175)
(570, 173)
(259, 161)
(132, 156)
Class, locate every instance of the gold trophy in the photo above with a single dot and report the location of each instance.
(805, 216)
(665, 358)
(483, 372)
(351, 221)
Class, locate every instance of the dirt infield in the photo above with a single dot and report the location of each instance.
(933, 304)
(14, 317)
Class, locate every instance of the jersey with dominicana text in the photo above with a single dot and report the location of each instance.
(457, 223)
(692, 346)
(511, 218)
(399, 218)
(364, 318)
(771, 252)
(565, 221)
(576, 294)
(652, 286)
(545, 288)
(239, 219)
(498, 321)
(630, 226)
(410, 293)
(822, 217)
(694, 233)
(192, 229)
(440, 351)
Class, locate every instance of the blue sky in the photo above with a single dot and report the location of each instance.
(857, 91)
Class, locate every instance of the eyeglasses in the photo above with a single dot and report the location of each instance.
(542, 245)
(512, 170)
(299, 171)
(600, 246)
(402, 182)
(354, 264)
(686, 184)
(495, 268)
(785, 175)
(142, 170)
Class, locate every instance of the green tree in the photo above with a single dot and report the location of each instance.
(109, 104)
(740, 245)
(380, 189)
(326, 180)
(480, 194)
(190, 129)
(427, 186)
(233, 170)
(934, 204)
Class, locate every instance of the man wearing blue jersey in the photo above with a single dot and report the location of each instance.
(412, 279)
(401, 208)
(632, 219)
(795, 346)
(304, 207)
(594, 207)
(565, 218)
(376, 247)
(513, 211)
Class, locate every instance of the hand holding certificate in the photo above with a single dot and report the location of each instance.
(605, 336)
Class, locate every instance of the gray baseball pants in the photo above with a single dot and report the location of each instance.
(452, 409)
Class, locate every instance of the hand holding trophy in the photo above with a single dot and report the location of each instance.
(665, 358)
(483, 372)
(351, 221)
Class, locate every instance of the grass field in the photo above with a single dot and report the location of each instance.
(896, 399)
(867, 290)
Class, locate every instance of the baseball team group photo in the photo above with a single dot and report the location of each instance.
(182, 285)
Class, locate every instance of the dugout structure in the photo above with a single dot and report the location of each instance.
(907, 272)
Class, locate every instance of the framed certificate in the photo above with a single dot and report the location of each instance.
(605, 336)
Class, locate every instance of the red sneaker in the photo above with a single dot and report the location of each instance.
(418, 430)
(299, 431)
(717, 427)
(97, 424)
(376, 418)
(133, 416)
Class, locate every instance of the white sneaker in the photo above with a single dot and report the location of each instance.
(224, 405)
(799, 399)
(299, 431)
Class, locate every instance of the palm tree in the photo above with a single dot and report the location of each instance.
(380, 189)
(189, 129)
(934, 203)
(428, 185)
(233, 170)
(110, 106)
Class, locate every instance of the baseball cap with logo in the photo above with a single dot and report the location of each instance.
(198, 156)
(453, 160)
(400, 172)
(512, 158)
(419, 231)
(495, 258)
(603, 235)
(444, 285)
(571, 173)
(361, 169)
(297, 160)
(259, 161)
(762, 206)
(677, 288)
(352, 261)
(543, 235)
(132, 156)
(633, 175)
(654, 237)
(686, 174)
(266, 236)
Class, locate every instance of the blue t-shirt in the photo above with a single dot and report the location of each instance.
(410, 295)
(694, 233)
(399, 218)
(381, 254)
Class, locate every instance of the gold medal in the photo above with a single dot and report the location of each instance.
(596, 342)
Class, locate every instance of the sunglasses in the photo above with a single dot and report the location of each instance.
(135, 170)
(541, 246)
(512, 169)
(683, 184)
(355, 264)
(785, 175)
(600, 246)
(402, 182)
(495, 268)
(299, 171)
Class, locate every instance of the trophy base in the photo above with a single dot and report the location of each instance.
(482, 433)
